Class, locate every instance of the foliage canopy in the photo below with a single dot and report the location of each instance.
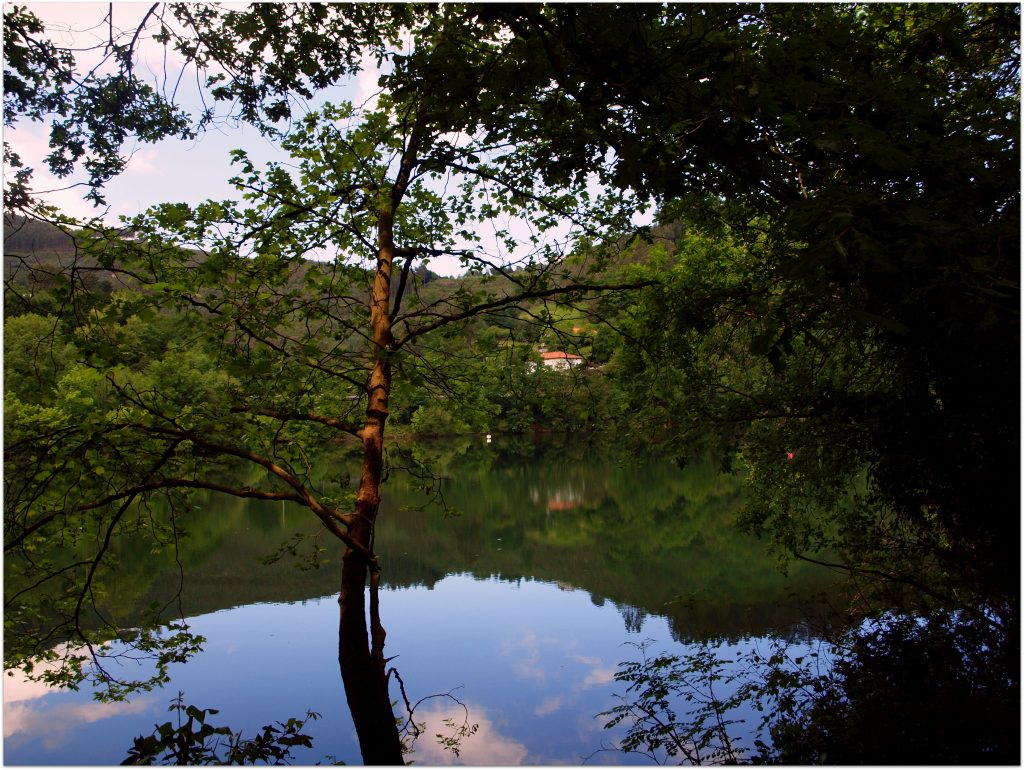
(838, 312)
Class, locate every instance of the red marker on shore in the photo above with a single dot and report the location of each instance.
(789, 455)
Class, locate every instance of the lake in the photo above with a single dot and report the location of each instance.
(518, 594)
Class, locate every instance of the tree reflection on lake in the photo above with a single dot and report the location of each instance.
(516, 597)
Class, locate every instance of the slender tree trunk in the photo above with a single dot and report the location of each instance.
(363, 669)
(361, 650)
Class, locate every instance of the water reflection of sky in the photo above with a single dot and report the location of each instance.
(532, 662)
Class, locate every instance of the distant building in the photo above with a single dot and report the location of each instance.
(556, 359)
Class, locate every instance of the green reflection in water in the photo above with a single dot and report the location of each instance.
(647, 535)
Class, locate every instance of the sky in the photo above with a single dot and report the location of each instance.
(171, 170)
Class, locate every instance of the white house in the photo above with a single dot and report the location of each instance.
(556, 359)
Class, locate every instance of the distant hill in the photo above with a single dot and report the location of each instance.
(30, 236)
(34, 251)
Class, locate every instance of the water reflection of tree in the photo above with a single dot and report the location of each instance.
(384, 738)
(645, 534)
(363, 665)
(633, 617)
(907, 688)
(679, 557)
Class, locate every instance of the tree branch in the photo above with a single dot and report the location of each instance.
(401, 283)
(336, 523)
(170, 483)
(272, 345)
(511, 300)
(284, 416)
(878, 573)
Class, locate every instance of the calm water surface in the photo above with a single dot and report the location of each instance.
(519, 599)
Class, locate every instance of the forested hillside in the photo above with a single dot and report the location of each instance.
(494, 380)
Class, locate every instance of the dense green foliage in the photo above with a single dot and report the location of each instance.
(89, 119)
(910, 689)
(850, 289)
(844, 309)
(832, 306)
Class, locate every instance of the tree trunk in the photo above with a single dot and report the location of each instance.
(363, 666)
(363, 670)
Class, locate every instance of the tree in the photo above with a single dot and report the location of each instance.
(285, 351)
(90, 115)
(843, 308)
(849, 293)
(870, 171)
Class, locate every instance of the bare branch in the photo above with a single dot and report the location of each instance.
(193, 484)
(284, 416)
(512, 300)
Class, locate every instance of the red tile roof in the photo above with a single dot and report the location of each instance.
(559, 354)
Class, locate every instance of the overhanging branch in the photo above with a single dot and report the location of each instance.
(867, 571)
(500, 302)
(285, 416)
(336, 522)
(171, 483)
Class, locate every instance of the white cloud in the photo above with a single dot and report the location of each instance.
(486, 746)
(527, 652)
(18, 688)
(549, 706)
(366, 84)
(54, 723)
(144, 162)
(598, 676)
